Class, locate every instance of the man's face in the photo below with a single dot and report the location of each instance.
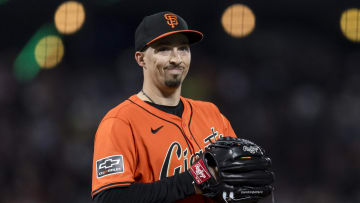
(167, 61)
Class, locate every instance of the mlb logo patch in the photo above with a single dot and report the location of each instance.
(109, 165)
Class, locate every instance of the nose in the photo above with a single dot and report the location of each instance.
(175, 57)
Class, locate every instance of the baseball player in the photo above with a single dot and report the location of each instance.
(144, 147)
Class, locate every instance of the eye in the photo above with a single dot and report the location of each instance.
(184, 48)
(161, 49)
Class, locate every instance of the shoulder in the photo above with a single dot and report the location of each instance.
(122, 111)
(119, 110)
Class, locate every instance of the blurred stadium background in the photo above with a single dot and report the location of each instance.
(285, 73)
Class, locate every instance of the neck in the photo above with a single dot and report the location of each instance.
(168, 97)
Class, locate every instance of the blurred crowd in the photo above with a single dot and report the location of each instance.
(298, 97)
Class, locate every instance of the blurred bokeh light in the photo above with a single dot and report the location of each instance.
(238, 20)
(3, 1)
(350, 24)
(26, 65)
(69, 17)
(49, 51)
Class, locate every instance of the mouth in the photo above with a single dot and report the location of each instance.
(174, 70)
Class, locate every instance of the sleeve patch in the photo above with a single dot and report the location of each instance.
(109, 165)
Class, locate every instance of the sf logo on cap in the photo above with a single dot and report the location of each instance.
(171, 20)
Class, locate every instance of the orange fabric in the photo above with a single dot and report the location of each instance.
(150, 152)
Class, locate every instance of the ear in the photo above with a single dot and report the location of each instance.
(139, 57)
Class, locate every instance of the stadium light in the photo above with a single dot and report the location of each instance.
(350, 24)
(238, 20)
(49, 51)
(26, 66)
(69, 17)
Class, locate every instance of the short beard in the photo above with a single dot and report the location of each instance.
(173, 83)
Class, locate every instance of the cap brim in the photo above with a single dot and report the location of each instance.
(193, 36)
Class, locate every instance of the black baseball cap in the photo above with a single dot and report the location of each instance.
(159, 25)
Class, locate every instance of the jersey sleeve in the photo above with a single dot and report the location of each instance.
(114, 160)
(170, 189)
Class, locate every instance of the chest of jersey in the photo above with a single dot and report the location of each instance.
(167, 145)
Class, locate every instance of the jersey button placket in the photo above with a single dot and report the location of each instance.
(186, 131)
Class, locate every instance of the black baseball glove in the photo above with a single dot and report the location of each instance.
(233, 170)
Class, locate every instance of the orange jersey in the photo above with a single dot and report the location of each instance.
(136, 142)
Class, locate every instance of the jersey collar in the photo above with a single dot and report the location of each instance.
(185, 116)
